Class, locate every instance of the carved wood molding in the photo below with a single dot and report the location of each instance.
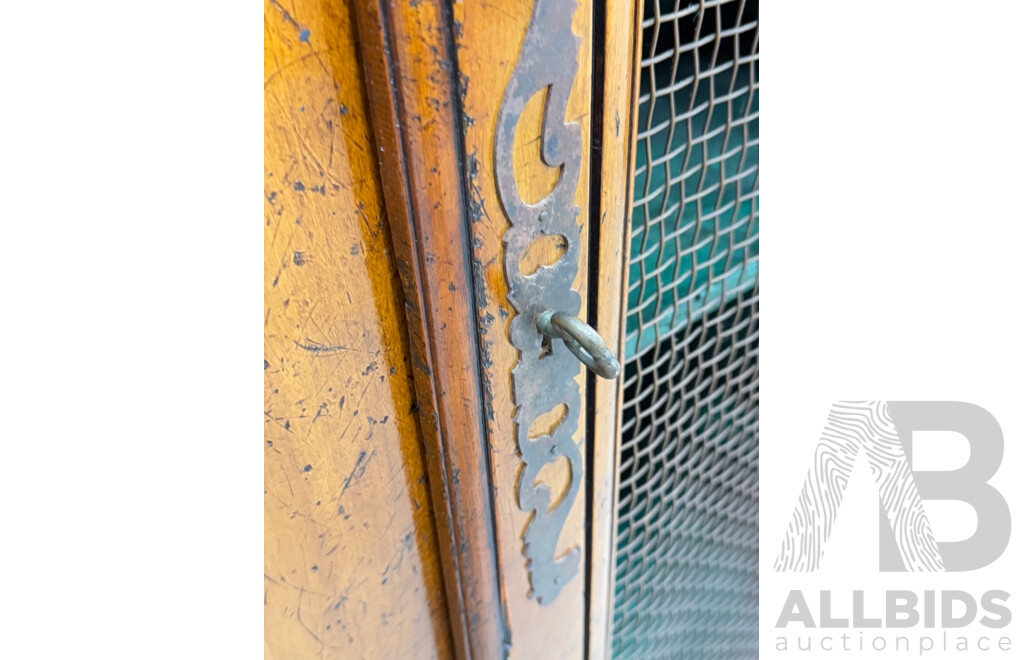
(405, 52)
(618, 27)
(448, 84)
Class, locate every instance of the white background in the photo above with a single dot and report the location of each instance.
(131, 285)
(892, 162)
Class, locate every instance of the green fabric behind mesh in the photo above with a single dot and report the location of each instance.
(686, 561)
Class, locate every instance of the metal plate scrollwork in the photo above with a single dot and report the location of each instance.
(544, 376)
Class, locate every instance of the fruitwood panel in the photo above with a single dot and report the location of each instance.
(406, 51)
(437, 75)
(351, 562)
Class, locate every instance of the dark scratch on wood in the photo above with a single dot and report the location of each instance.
(360, 468)
(317, 347)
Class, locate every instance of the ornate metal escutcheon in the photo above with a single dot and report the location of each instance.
(543, 379)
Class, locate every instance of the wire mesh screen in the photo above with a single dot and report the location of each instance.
(686, 564)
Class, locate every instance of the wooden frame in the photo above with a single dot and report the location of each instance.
(422, 170)
(617, 69)
(435, 74)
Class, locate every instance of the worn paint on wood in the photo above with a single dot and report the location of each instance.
(351, 556)
(406, 52)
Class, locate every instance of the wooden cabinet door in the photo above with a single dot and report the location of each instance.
(504, 133)
(440, 473)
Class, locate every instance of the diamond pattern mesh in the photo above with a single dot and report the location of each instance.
(686, 562)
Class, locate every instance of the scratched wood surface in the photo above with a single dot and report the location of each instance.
(489, 38)
(351, 556)
(413, 93)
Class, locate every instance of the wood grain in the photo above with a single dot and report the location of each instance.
(419, 296)
(351, 566)
(616, 73)
(406, 52)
